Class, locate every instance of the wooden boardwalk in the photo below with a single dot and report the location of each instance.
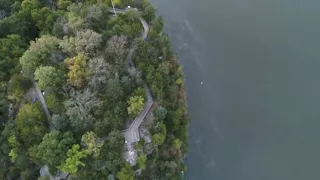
(131, 134)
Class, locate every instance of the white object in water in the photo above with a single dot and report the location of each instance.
(201, 82)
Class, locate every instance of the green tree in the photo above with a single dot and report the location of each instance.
(85, 41)
(58, 27)
(73, 161)
(58, 122)
(18, 85)
(126, 173)
(5, 6)
(92, 144)
(136, 75)
(29, 61)
(20, 20)
(136, 104)
(114, 91)
(161, 113)
(117, 50)
(45, 19)
(31, 123)
(4, 105)
(53, 148)
(110, 177)
(11, 48)
(81, 108)
(63, 4)
(111, 151)
(141, 160)
(77, 70)
(157, 25)
(116, 140)
(39, 53)
(48, 76)
(29, 173)
(15, 145)
(148, 13)
(54, 103)
(177, 144)
(46, 177)
(100, 71)
(157, 139)
(29, 5)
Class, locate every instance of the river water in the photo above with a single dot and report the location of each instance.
(256, 116)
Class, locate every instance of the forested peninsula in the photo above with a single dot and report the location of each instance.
(89, 90)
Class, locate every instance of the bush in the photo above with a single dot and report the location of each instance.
(18, 85)
(53, 103)
(161, 113)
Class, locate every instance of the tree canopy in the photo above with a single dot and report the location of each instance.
(53, 148)
(48, 76)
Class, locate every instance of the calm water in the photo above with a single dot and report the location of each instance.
(257, 114)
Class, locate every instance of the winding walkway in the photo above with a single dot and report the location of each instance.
(131, 134)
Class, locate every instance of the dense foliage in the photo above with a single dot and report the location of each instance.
(76, 51)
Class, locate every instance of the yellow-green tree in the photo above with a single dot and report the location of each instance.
(52, 150)
(126, 173)
(90, 141)
(77, 70)
(73, 161)
(63, 4)
(15, 147)
(177, 143)
(135, 105)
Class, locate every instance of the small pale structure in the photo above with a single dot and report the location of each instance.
(44, 171)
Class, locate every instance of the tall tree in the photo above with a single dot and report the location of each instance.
(53, 148)
(85, 41)
(45, 19)
(31, 123)
(136, 104)
(11, 48)
(48, 76)
(92, 144)
(117, 50)
(161, 113)
(77, 70)
(114, 91)
(126, 173)
(18, 85)
(81, 109)
(20, 22)
(73, 161)
(141, 160)
(58, 122)
(99, 70)
(39, 53)
(63, 4)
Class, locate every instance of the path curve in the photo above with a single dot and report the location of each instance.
(132, 133)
